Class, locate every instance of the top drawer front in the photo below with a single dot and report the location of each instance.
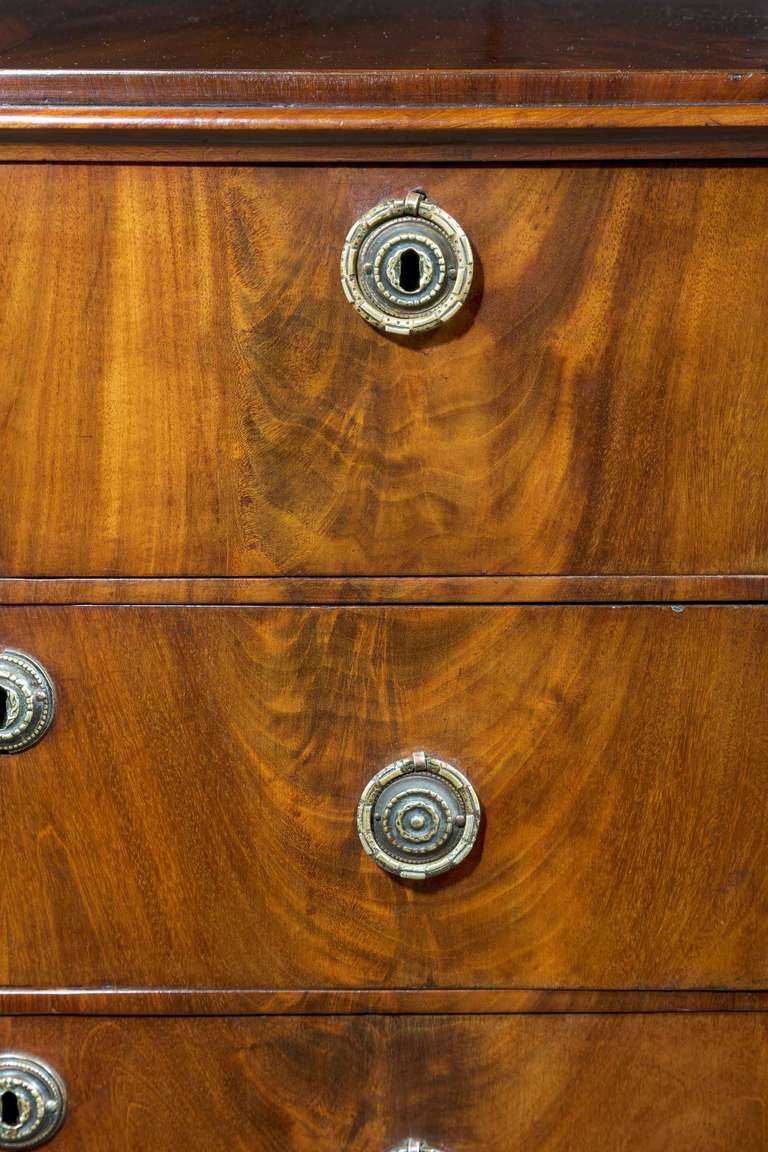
(183, 376)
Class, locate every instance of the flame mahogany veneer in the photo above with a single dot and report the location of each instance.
(263, 550)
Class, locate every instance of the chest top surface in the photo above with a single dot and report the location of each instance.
(333, 34)
(335, 51)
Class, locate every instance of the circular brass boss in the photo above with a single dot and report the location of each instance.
(418, 817)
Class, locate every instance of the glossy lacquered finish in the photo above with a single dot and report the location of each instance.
(192, 933)
(349, 54)
(555, 1084)
(190, 819)
(204, 401)
(402, 34)
(333, 590)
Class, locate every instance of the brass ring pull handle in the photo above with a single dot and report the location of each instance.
(406, 265)
(27, 701)
(418, 817)
(33, 1101)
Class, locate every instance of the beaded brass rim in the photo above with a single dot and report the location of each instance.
(408, 231)
(418, 817)
(34, 1101)
(28, 701)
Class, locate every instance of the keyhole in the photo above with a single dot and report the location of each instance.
(9, 1109)
(3, 708)
(410, 270)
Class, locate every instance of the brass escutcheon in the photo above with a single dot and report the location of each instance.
(406, 265)
(33, 1101)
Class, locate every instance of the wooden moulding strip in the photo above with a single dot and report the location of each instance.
(449, 1001)
(495, 87)
(399, 121)
(389, 590)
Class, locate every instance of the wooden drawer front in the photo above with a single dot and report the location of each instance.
(182, 373)
(189, 818)
(465, 1084)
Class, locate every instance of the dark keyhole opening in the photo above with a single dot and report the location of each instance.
(3, 707)
(410, 270)
(9, 1109)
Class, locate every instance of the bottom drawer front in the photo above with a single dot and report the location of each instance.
(461, 1084)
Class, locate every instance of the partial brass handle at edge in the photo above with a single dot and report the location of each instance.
(27, 701)
(33, 1101)
(418, 817)
(414, 1146)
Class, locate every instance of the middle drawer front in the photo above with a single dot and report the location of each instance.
(189, 819)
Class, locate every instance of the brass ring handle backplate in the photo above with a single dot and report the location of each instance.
(406, 265)
(418, 817)
(33, 1101)
(27, 701)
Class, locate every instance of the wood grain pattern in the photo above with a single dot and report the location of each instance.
(390, 590)
(556, 1084)
(436, 86)
(568, 146)
(181, 1002)
(189, 820)
(343, 34)
(288, 124)
(188, 382)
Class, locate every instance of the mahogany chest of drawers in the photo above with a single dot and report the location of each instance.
(383, 569)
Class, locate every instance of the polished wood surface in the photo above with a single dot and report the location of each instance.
(709, 123)
(433, 87)
(284, 124)
(189, 819)
(191, 385)
(487, 543)
(373, 1001)
(390, 590)
(554, 1084)
(393, 146)
(344, 34)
